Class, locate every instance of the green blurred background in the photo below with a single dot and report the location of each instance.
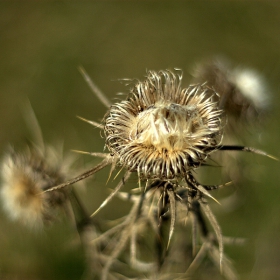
(42, 45)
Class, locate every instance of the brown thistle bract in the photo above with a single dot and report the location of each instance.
(162, 131)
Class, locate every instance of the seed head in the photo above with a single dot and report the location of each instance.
(243, 91)
(24, 178)
(252, 86)
(162, 131)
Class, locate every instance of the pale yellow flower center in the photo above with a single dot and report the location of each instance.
(165, 126)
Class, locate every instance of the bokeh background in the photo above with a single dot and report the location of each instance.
(42, 45)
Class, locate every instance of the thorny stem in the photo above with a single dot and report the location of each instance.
(244, 149)
(88, 173)
(125, 234)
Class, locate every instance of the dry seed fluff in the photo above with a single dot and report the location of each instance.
(24, 178)
(162, 131)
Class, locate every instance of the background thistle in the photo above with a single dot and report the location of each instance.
(25, 176)
(42, 46)
(244, 94)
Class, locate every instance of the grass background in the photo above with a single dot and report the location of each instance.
(43, 43)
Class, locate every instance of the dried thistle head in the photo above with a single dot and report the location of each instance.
(24, 178)
(243, 91)
(27, 174)
(162, 131)
(243, 97)
(251, 86)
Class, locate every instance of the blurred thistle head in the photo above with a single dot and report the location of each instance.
(27, 174)
(24, 178)
(243, 91)
(163, 131)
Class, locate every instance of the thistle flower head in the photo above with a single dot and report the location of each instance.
(253, 88)
(24, 178)
(243, 91)
(162, 131)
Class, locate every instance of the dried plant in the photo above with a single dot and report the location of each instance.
(162, 133)
(26, 174)
(244, 94)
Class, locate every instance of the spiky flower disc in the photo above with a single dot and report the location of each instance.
(162, 131)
